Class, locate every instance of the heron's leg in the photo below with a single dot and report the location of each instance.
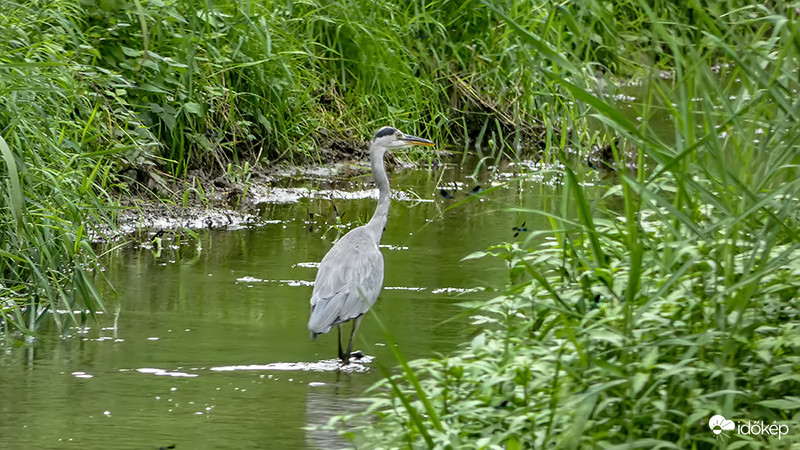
(341, 354)
(356, 323)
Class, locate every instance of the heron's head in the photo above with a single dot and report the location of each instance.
(388, 138)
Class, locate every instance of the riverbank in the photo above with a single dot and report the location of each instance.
(203, 201)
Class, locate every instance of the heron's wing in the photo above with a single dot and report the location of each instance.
(348, 282)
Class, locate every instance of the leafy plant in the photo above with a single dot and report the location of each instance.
(671, 299)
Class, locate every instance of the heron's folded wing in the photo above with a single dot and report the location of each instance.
(348, 282)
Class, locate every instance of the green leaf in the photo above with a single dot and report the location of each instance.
(781, 403)
(513, 444)
(478, 342)
(193, 108)
(474, 255)
(15, 187)
(638, 382)
(131, 52)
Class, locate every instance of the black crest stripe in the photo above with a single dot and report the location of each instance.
(385, 131)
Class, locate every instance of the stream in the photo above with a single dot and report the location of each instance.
(207, 345)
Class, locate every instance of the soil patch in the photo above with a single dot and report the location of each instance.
(156, 202)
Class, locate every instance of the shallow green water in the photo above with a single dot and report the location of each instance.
(209, 348)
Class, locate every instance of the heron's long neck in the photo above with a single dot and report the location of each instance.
(378, 221)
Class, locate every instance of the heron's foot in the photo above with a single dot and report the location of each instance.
(345, 359)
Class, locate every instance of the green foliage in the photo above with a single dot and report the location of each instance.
(55, 168)
(631, 327)
(670, 299)
(202, 84)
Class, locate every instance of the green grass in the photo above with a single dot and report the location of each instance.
(637, 323)
(217, 85)
(54, 144)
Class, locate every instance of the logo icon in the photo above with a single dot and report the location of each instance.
(718, 424)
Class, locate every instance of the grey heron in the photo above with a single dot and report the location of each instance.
(350, 276)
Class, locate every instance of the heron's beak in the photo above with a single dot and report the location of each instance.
(413, 140)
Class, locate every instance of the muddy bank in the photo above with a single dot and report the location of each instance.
(203, 201)
(206, 199)
(156, 202)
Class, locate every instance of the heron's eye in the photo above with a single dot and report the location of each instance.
(399, 135)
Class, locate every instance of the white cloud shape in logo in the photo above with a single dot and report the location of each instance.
(718, 424)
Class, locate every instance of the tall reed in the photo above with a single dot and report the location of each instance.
(60, 143)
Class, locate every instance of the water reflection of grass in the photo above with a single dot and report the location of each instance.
(632, 328)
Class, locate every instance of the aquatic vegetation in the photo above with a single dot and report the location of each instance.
(44, 253)
(640, 315)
